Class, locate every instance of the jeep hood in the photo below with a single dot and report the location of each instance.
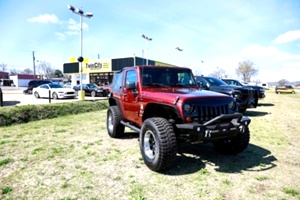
(170, 94)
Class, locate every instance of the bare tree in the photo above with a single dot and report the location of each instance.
(27, 71)
(283, 82)
(3, 67)
(219, 73)
(246, 70)
(14, 72)
(45, 69)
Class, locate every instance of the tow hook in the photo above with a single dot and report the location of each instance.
(242, 128)
(207, 133)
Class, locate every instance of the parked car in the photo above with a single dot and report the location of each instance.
(67, 85)
(260, 90)
(284, 89)
(107, 88)
(246, 97)
(33, 84)
(57, 91)
(92, 89)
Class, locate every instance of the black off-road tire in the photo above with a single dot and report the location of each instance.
(36, 94)
(233, 145)
(158, 144)
(113, 122)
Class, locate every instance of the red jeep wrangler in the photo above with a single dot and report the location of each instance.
(166, 107)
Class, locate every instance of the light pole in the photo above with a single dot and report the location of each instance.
(148, 40)
(80, 59)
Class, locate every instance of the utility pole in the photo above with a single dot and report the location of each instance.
(33, 65)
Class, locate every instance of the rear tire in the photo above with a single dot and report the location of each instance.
(158, 144)
(113, 122)
(233, 145)
(36, 94)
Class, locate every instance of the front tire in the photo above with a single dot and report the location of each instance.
(113, 122)
(93, 93)
(233, 145)
(158, 144)
(54, 95)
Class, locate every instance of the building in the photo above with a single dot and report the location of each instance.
(21, 80)
(100, 71)
(4, 79)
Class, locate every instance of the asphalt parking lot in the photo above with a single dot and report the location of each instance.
(13, 96)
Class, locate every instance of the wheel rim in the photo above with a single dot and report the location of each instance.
(93, 94)
(149, 145)
(54, 96)
(110, 123)
(36, 94)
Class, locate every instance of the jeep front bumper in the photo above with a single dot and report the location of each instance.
(223, 126)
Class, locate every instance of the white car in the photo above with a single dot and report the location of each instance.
(67, 85)
(56, 91)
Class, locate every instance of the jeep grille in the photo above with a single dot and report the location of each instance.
(206, 113)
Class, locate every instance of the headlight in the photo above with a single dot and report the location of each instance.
(232, 105)
(237, 96)
(236, 91)
(187, 108)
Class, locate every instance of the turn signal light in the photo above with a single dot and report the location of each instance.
(188, 119)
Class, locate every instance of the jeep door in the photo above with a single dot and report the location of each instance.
(130, 100)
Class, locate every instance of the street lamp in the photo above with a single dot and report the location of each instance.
(80, 59)
(177, 48)
(148, 40)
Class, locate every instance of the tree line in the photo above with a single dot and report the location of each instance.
(43, 68)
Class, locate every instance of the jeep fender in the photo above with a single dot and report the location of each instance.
(115, 102)
(161, 110)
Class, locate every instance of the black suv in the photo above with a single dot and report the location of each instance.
(33, 84)
(246, 97)
(260, 90)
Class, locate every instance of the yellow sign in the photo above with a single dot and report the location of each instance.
(95, 66)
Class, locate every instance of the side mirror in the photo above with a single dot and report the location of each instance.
(201, 86)
(130, 85)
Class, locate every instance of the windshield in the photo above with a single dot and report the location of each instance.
(215, 81)
(55, 86)
(92, 85)
(158, 76)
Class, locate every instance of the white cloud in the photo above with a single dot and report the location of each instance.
(74, 26)
(255, 51)
(45, 18)
(288, 37)
(292, 65)
(61, 36)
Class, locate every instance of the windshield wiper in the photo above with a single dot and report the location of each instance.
(179, 85)
(156, 85)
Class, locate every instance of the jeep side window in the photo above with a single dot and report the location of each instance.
(131, 79)
(131, 76)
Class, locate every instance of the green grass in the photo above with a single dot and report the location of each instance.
(72, 157)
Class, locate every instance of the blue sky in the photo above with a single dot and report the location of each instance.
(218, 32)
